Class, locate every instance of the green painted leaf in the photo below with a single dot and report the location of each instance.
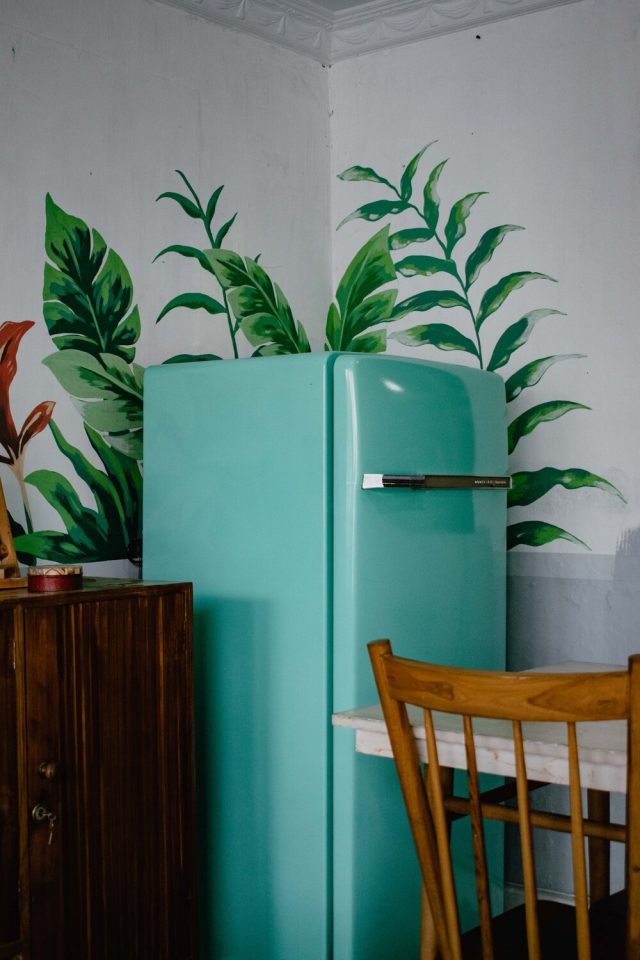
(191, 358)
(54, 547)
(370, 268)
(129, 444)
(431, 200)
(87, 293)
(86, 528)
(373, 310)
(537, 533)
(542, 413)
(187, 251)
(425, 266)
(228, 267)
(192, 301)
(528, 486)
(223, 231)
(363, 173)
(376, 211)
(440, 335)
(107, 391)
(187, 205)
(369, 343)
(333, 328)
(401, 239)
(118, 491)
(212, 204)
(360, 303)
(533, 372)
(258, 304)
(427, 300)
(457, 223)
(406, 182)
(498, 293)
(485, 250)
(516, 335)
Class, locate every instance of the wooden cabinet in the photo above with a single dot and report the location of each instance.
(96, 773)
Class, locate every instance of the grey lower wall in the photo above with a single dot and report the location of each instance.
(570, 607)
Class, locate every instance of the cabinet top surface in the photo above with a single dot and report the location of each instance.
(93, 588)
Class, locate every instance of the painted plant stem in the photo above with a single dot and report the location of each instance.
(195, 210)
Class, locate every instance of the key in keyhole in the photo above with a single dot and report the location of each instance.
(40, 813)
(52, 822)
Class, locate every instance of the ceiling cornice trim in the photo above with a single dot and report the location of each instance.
(312, 30)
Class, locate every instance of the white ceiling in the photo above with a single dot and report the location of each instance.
(332, 30)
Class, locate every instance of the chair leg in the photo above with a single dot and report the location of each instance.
(428, 940)
(599, 850)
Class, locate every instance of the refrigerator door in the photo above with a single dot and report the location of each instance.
(422, 566)
(236, 500)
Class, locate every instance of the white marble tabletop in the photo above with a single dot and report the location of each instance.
(602, 746)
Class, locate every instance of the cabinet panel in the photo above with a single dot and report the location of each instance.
(103, 695)
(12, 840)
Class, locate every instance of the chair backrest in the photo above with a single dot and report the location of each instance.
(518, 697)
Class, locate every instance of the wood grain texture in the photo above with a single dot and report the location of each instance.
(108, 698)
(539, 930)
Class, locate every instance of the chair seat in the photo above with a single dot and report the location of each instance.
(557, 932)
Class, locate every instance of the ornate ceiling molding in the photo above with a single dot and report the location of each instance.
(327, 36)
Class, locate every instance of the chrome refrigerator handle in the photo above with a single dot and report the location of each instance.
(433, 481)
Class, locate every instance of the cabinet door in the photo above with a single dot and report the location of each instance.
(125, 811)
(13, 860)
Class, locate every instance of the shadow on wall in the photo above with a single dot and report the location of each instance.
(574, 607)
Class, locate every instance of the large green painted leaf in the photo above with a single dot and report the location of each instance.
(537, 533)
(440, 335)
(376, 211)
(427, 300)
(528, 486)
(360, 302)
(533, 372)
(542, 413)
(431, 200)
(373, 310)
(457, 223)
(104, 533)
(516, 335)
(369, 343)
(498, 293)
(363, 173)
(54, 546)
(425, 266)
(87, 293)
(406, 183)
(485, 250)
(192, 301)
(258, 304)
(108, 393)
(403, 238)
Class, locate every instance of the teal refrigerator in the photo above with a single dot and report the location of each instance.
(318, 502)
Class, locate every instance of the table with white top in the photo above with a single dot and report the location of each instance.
(602, 745)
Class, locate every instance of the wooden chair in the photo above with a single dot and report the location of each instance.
(539, 930)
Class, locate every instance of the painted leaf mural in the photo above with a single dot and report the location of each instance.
(94, 324)
(108, 530)
(454, 279)
(250, 302)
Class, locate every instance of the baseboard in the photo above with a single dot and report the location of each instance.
(514, 895)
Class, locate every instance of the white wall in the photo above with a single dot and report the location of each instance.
(99, 104)
(542, 112)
